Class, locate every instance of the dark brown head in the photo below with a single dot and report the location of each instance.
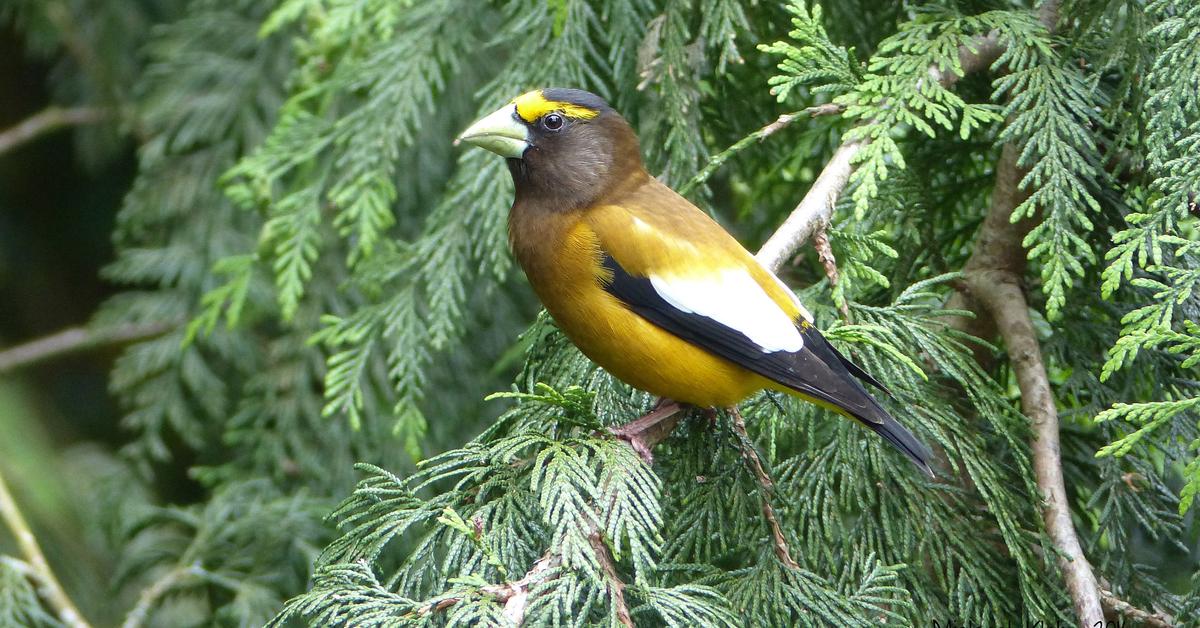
(564, 146)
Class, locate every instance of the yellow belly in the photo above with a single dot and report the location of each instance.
(561, 257)
(644, 356)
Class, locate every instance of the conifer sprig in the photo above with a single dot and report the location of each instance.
(351, 299)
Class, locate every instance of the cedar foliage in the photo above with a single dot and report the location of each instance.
(339, 291)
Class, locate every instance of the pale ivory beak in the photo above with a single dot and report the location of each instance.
(500, 132)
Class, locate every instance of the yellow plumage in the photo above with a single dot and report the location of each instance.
(561, 254)
(647, 285)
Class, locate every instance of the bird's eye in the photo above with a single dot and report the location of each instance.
(553, 122)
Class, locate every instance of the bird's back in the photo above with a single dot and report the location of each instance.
(673, 236)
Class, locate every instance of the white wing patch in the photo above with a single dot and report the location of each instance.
(792, 295)
(735, 300)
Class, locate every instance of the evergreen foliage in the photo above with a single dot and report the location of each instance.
(340, 301)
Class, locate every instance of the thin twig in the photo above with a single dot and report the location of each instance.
(766, 486)
(1120, 607)
(75, 339)
(816, 208)
(616, 588)
(48, 584)
(150, 596)
(829, 263)
(758, 136)
(47, 120)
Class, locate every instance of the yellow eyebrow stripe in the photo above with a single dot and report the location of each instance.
(533, 105)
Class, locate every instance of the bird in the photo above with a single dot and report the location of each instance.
(647, 285)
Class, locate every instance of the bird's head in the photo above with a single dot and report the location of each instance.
(565, 145)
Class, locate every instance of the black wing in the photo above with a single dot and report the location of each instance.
(817, 370)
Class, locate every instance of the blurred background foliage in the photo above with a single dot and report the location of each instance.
(255, 210)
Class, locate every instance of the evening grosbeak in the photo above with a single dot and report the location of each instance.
(647, 285)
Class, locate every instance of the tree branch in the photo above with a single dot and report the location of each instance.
(615, 586)
(152, 594)
(47, 120)
(644, 433)
(992, 277)
(48, 584)
(816, 208)
(1001, 294)
(991, 288)
(75, 339)
(1121, 608)
(765, 487)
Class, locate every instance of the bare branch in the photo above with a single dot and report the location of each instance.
(1120, 607)
(992, 279)
(48, 120)
(765, 487)
(816, 208)
(1001, 294)
(616, 588)
(829, 263)
(75, 339)
(43, 575)
(152, 594)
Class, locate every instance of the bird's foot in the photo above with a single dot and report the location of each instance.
(644, 433)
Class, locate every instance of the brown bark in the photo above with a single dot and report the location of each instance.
(75, 339)
(1116, 608)
(48, 120)
(614, 584)
(765, 488)
(992, 282)
(41, 573)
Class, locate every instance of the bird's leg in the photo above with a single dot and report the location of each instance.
(644, 433)
(765, 486)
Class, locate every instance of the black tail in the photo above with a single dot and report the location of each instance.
(857, 402)
(900, 438)
(816, 371)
